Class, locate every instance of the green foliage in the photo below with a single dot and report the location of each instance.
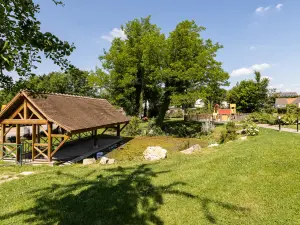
(291, 109)
(174, 113)
(152, 129)
(148, 67)
(182, 128)
(251, 129)
(250, 95)
(289, 119)
(230, 133)
(21, 40)
(207, 128)
(133, 128)
(263, 118)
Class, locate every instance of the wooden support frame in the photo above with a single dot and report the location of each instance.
(18, 141)
(49, 142)
(2, 139)
(24, 121)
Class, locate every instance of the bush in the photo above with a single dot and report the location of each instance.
(263, 118)
(230, 133)
(291, 109)
(152, 129)
(207, 128)
(133, 128)
(289, 119)
(250, 128)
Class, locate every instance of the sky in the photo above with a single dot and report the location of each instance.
(262, 35)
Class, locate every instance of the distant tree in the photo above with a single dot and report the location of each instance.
(250, 95)
(21, 40)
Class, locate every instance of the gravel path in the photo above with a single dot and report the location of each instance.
(276, 127)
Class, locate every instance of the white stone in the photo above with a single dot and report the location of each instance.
(244, 138)
(26, 173)
(155, 153)
(111, 161)
(104, 160)
(89, 161)
(192, 149)
(213, 145)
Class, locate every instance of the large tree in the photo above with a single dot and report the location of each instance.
(132, 62)
(22, 41)
(189, 65)
(250, 95)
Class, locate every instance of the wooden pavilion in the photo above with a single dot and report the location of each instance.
(55, 119)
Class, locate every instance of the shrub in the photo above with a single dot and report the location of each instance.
(250, 128)
(230, 133)
(133, 128)
(289, 119)
(291, 109)
(263, 118)
(174, 113)
(207, 127)
(152, 129)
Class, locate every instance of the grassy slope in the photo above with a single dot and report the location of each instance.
(251, 182)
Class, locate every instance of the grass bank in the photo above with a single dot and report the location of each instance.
(244, 182)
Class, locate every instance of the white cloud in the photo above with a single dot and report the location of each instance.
(250, 70)
(277, 86)
(252, 48)
(262, 9)
(267, 77)
(279, 6)
(115, 33)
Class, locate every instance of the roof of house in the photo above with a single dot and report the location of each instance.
(71, 112)
(286, 101)
(224, 111)
(288, 94)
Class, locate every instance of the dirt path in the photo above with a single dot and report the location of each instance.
(276, 127)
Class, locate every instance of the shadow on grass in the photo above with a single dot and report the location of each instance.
(126, 196)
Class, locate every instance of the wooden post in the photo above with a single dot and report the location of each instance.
(2, 139)
(18, 141)
(118, 131)
(94, 133)
(33, 141)
(25, 109)
(38, 140)
(49, 142)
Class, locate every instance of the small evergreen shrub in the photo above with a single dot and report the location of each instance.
(152, 129)
(250, 128)
(133, 128)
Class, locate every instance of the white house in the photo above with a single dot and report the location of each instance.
(199, 103)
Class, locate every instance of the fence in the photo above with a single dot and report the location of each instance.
(11, 153)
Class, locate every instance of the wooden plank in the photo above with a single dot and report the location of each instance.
(41, 152)
(60, 145)
(59, 135)
(38, 140)
(49, 142)
(25, 109)
(118, 130)
(2, 140)
(18, 141)
(17, 112)
(20, 115)
(123, 127)
(24, 121)
(99, 127)
(33, 140)
(41, 144)
(7, 130)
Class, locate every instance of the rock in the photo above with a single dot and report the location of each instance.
(111, 161)
(104, 160)
(155, 153)
(89, 161)
(244, 138)
(213, 145)
(26, 173)
(192, 149)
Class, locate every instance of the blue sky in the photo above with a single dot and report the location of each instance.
(256, 34)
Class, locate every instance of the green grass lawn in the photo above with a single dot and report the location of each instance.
(244, 182)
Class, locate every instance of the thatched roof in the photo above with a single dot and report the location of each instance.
(71, 112)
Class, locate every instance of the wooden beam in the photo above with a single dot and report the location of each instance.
(18, 141)
(59, 135)
(38, 140)
(7, 130)
(99, 127)
(32, 109)
(104, 130)
(118, 130)
(60, 145)
(49, 142)
(41, 144)
(25, 109)
(2, 140)
(17, 112)
(33, 141)
(123, 127)
(23, 121)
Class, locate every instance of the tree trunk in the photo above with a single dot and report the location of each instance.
(163, 108)
(145, 109)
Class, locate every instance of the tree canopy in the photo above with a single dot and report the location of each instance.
(148, 67)
(22, 41)
(250, 95)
